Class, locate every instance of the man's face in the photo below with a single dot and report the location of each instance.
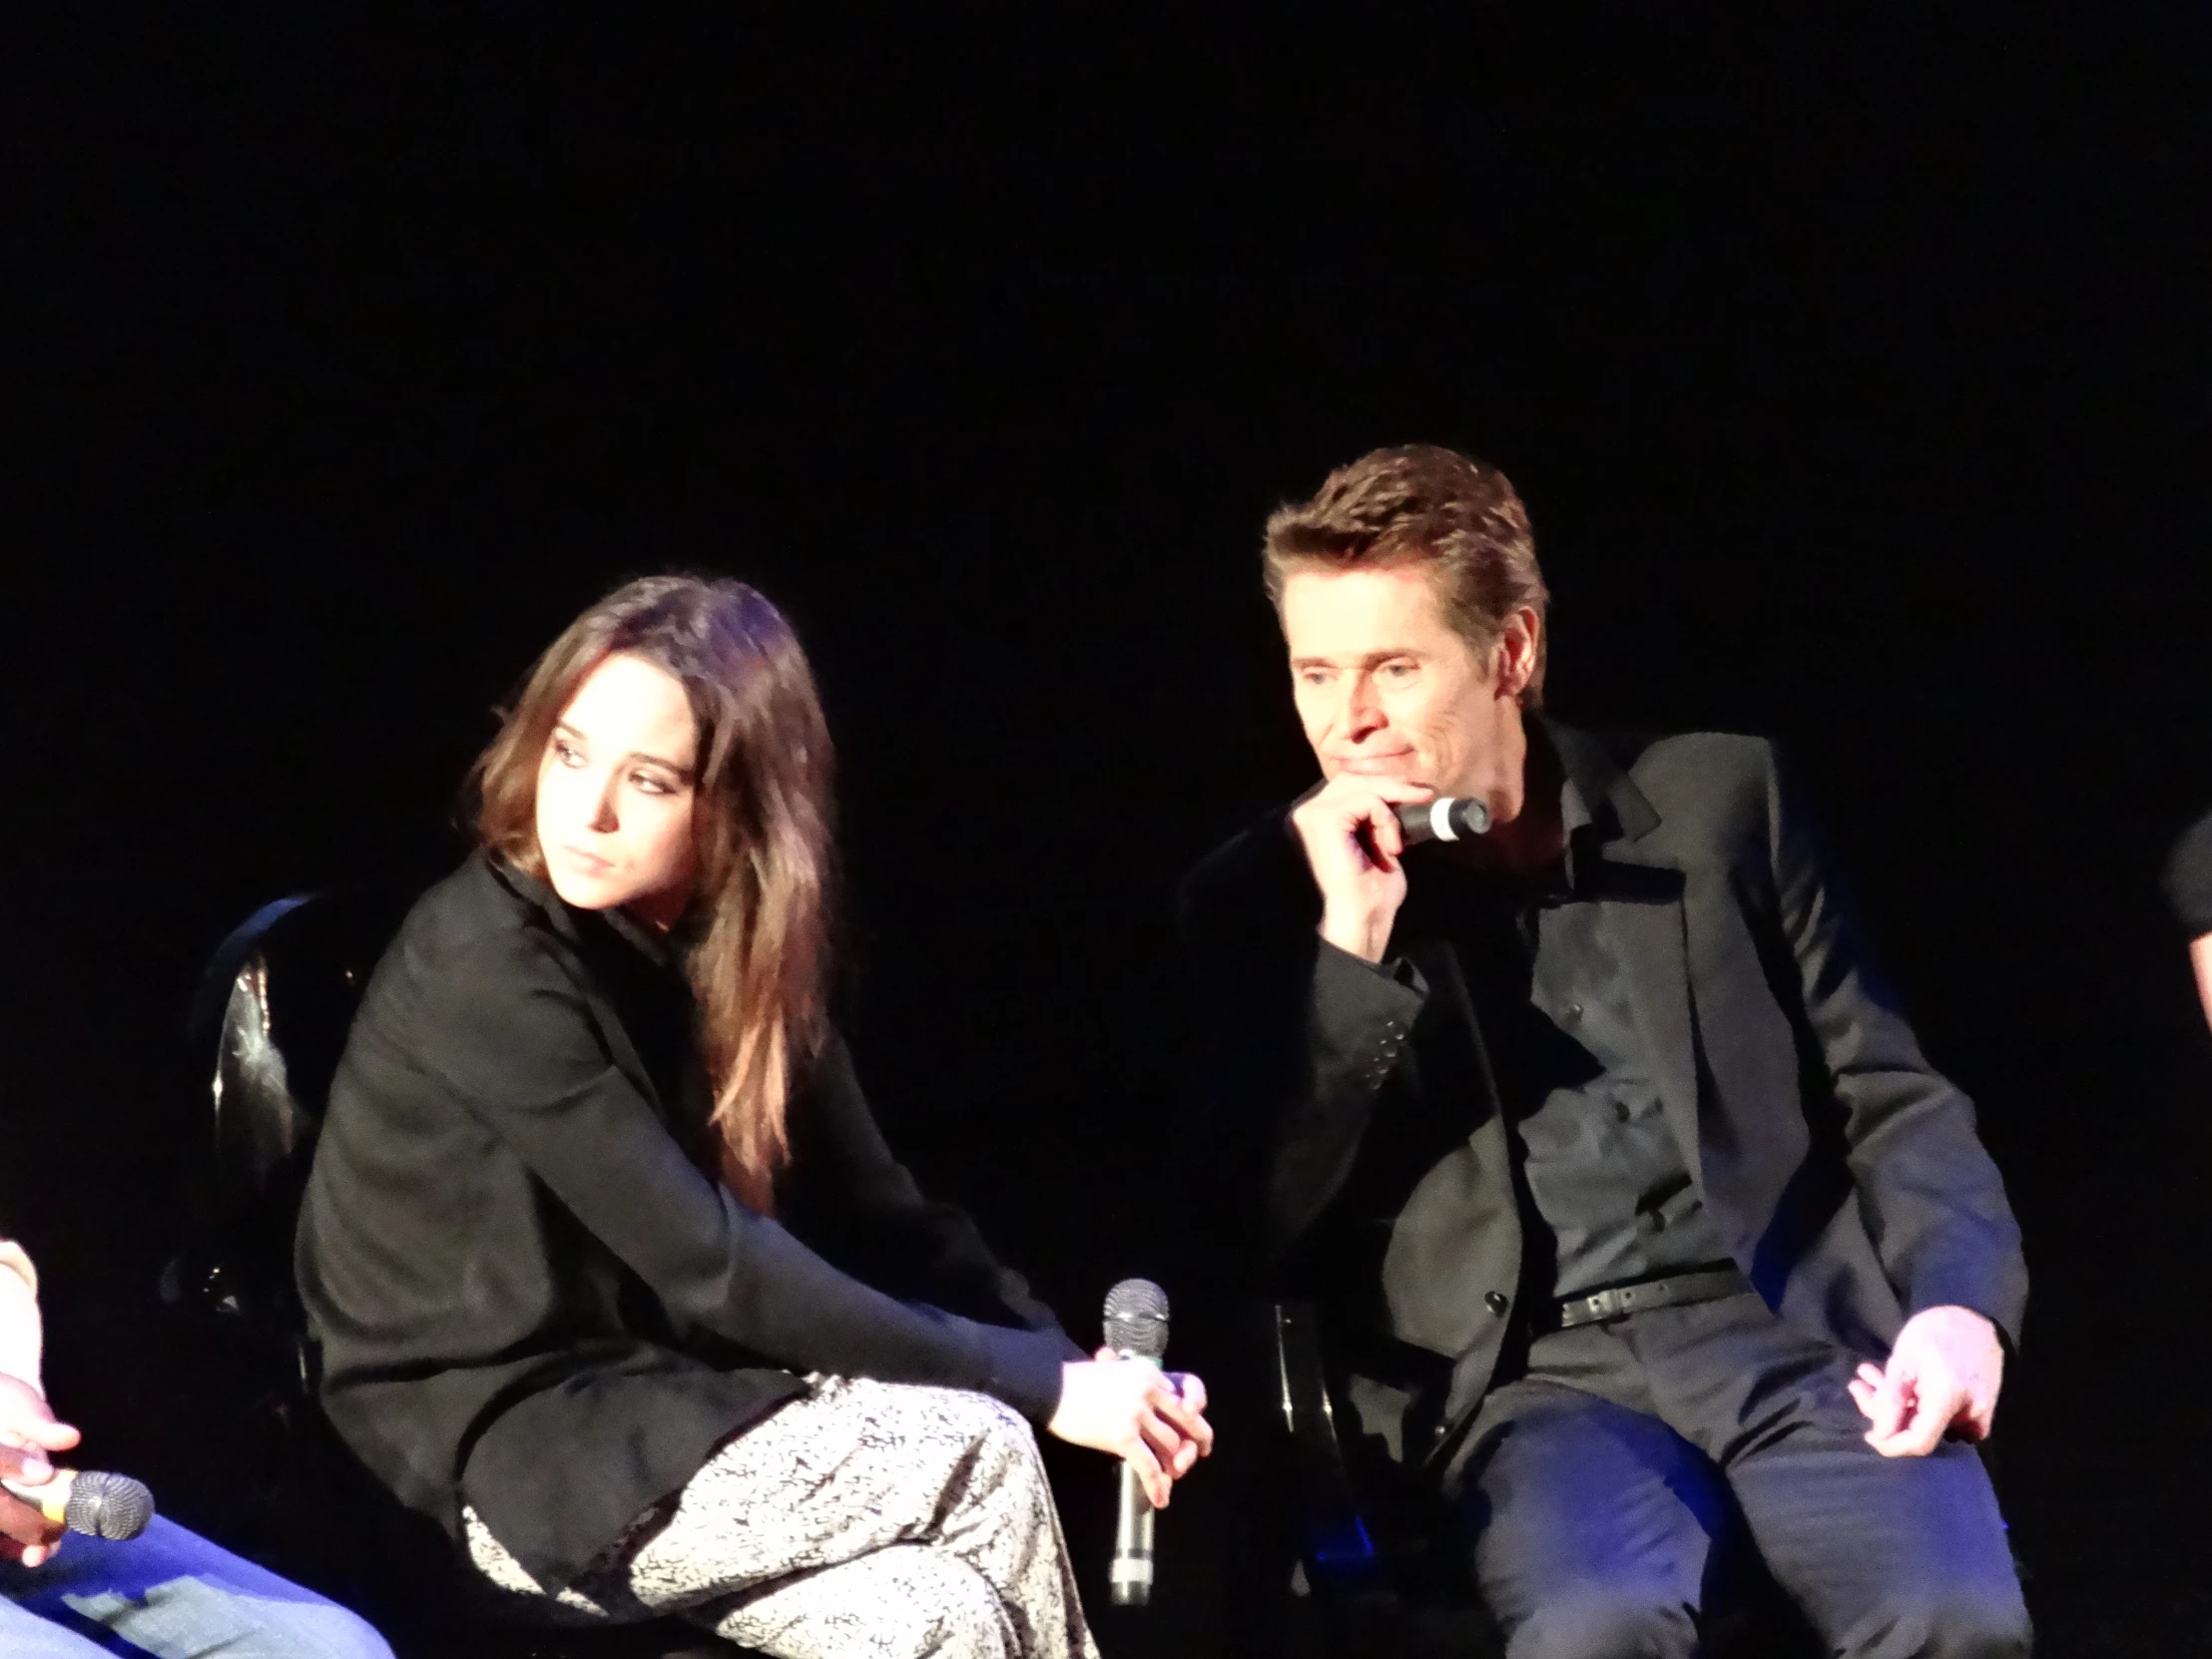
(1386, 688)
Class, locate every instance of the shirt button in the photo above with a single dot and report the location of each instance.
(1497, 1302)
(1658, 1221)
(1574, 1012)
(1621, 1111)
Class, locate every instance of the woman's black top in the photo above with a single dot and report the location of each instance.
(529, 1299)
(2189, 879)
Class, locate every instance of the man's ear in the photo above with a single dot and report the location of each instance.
(1515, 653)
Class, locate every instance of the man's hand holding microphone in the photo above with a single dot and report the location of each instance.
(1355, 840)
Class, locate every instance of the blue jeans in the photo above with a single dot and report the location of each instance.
(172, 1594)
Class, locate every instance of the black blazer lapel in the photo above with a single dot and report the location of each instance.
(1457, 1235)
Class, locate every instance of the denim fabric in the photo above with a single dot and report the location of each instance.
(175, 1595)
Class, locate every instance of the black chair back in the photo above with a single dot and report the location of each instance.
(268, 1023)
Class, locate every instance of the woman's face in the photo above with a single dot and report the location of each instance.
(615, 792)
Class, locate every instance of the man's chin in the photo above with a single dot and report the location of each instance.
(1381, 772)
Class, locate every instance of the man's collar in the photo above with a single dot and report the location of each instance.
(1597, 783)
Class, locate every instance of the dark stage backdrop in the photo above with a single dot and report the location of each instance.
(1856, 377)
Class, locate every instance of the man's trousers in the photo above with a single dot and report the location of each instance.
(1599, 1491)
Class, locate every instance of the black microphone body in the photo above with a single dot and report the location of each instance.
(1136, 1328)
(1447, 818)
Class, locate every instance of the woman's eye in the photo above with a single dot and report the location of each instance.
(1397, 670)
(567, 754)
(649, 785)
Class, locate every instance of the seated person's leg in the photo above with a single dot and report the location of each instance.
(906, 1599)
(810, 1495)
(1590, 1526)
(24, 1635)
(175, 1595)
(1886, 1556)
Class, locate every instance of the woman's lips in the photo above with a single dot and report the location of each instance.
(591, 863)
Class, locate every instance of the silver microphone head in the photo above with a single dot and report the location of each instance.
(102, 1505)
(1137, 1319)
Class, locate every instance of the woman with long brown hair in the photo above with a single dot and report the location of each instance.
(611, 1270)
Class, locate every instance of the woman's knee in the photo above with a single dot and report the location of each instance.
(910, 1601)
(997, 1433)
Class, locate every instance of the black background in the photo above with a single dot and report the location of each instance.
(1855, 374)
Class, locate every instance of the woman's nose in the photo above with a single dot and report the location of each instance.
(603, 817)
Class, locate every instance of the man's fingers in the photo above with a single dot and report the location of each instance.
(1932, 1410)
(1885, 1406)
(1390, 834)
(1918, 1440)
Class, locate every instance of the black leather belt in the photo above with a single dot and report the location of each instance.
(1674, 1291)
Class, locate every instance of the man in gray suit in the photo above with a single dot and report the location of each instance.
(1633, 1209)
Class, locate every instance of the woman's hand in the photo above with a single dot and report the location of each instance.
(1151, 1418)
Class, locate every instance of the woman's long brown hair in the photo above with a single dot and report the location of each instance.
(760, 822)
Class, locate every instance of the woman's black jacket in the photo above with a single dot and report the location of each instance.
(528, 1299)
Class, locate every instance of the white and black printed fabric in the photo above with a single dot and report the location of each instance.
(862, 1521)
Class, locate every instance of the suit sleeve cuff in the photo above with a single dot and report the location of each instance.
(1976, 1296)
(1022, 1368)
(1363, 1010)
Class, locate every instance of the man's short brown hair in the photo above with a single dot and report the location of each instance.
(1427, 506)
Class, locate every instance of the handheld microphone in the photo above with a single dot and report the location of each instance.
(95, 1504)
(1136, 1318)
(1447, 818)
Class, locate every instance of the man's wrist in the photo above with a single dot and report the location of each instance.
(1960, 1310)
(1363, 936)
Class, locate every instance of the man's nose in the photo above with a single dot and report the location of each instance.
(1362, 709)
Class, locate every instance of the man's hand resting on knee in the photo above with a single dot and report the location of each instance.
(1943, 1374)
(1150, 1418)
